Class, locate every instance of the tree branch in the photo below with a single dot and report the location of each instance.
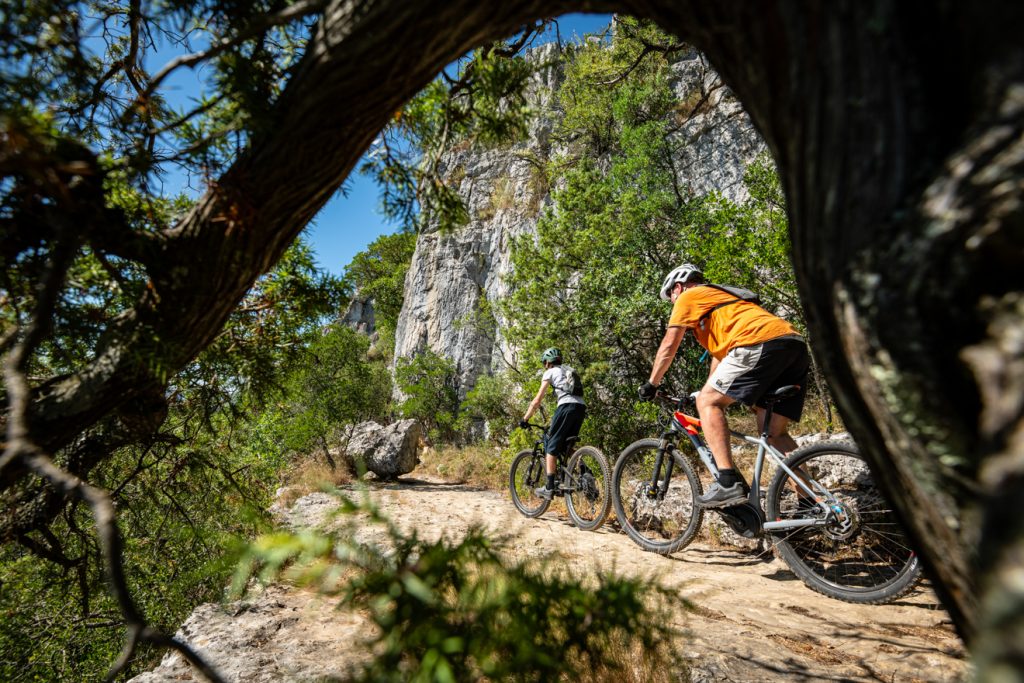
(21, 451)
(257, 27)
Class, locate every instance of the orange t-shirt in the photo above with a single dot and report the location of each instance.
(738, 324)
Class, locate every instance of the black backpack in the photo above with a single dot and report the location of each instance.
(738, 292)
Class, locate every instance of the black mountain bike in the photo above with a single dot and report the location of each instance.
(585, 480)
(823, 512)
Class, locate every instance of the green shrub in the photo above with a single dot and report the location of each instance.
(333, 386)
(495, 400)
(458, 610)
(429, 383)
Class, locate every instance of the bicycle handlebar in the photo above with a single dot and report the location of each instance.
(663, 396)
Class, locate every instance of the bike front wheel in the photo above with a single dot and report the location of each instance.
(861, 554)
(587, 485)
(659, 519)
(526, 474)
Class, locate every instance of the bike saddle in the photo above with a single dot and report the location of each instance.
(782, 393)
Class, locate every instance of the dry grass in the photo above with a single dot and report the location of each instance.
(815, 420)
(638, 665)
(483, 466)
(455, 177)
(503, 197)
(538, 190)
(308, 474)
(693, 104)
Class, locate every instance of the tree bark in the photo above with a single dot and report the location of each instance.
(897, 127)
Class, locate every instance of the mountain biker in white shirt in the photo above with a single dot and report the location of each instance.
(567, 420)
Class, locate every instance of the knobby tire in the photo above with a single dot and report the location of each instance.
(657, 524)
(588, 482)
(526, 474)
(871, 562)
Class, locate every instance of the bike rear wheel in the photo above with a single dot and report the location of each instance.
(587, 485)
(659, 523)
(861, 556)
(526, 474)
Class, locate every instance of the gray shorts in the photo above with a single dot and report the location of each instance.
(747, 373)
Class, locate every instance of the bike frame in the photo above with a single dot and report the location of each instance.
(690, 426)
(561, 461)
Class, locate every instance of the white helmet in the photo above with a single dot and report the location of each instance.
(684, 273)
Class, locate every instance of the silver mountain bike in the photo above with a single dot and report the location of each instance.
(822, 511)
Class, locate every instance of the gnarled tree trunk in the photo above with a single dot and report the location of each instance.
(897, 127)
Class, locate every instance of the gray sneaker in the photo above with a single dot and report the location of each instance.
(544, 492)
(717, 496)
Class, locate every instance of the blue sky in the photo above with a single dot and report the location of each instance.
(346, 225)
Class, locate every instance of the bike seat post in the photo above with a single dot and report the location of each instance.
(768, 410)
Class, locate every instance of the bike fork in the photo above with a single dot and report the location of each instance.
(656, 488)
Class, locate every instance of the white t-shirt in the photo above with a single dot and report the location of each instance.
(558, 377)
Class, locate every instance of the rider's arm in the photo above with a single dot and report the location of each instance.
(535, 403)
(666, 353)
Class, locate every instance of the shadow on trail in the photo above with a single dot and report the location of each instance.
(781, 575)
(792, 670)
(424, 484)
(725, 558)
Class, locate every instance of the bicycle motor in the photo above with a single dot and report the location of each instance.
(744, 519)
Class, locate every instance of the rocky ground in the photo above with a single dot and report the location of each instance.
(753, 619)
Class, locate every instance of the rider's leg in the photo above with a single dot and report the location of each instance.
(730, 488)
(553, 444)
(571, 424)
(778, 431)
(778, 436)
(711, 405)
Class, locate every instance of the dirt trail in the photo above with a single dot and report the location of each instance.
(754, 620)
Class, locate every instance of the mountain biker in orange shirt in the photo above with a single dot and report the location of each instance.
(753, 352)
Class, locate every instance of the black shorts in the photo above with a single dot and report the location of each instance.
(747, 373)
(566, 423)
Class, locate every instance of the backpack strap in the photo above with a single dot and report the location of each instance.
(707, 314)
(737, 300)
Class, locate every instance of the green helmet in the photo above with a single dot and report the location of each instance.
(552, 355)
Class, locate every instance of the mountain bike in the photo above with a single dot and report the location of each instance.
(585, 480)
(822, 512)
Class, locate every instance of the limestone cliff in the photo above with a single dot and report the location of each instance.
(454, 275)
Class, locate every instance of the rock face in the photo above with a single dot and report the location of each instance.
(359, 316)
(387, 451)
(453, 276)
(277, 634)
